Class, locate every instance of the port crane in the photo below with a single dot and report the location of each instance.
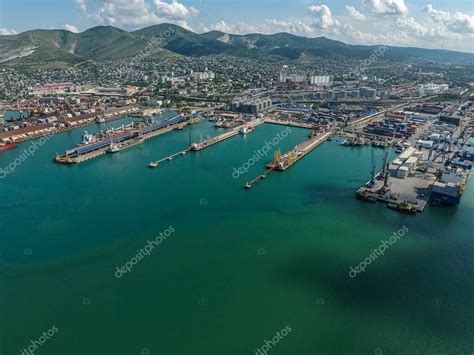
(372, 172)
(439, 149)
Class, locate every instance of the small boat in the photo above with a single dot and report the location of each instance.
(245, 130)
(6, 146)
(114, 148)
(248, 186)
(153, 165)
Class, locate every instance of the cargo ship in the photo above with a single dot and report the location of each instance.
(450, 187)
(6, 146)
(94, 145)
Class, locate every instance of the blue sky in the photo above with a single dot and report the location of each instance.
(431, 24)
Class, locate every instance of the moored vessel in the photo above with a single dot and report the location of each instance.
(6, 146)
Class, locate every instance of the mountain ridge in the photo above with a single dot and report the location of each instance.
(108, 43)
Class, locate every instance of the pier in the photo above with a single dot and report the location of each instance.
(155, 164)
(283, 162)
(289, 123)
(93, 150)
(405, 184)
(214, 140)
(195, 147)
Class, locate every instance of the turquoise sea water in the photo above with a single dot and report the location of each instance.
(240, 266)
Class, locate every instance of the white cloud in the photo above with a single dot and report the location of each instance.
(291, 26)
(7, 32)
(426, 31)
(81, 4)
(267, 26)
(322, 16)
(71, 28)
(387, 7)
(136, 13)
(455, 21)
(356, 15)
(175, 10)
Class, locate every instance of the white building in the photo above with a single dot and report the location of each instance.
(320, 80)
(295, 78)
(432, 88)
(205, 75)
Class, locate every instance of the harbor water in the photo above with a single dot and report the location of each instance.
(239, 265)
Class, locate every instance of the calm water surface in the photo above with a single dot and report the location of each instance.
(240, 266)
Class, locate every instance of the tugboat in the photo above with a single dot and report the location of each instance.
(404, 207)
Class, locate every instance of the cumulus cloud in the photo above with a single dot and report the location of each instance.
(233, 28)
(387, 7)
(175, 10)
(136, 13)
(267, 26)
(426, 31)
(356, 15)
(455, 21)
(71, 28)
(7, 32)
(322, 16)
(291, 26)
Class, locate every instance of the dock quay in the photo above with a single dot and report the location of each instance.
(289, 123)
(92, 149)
(222, 137)
(66, 123)
(195, 147)
(405, 184)
(214, 140)
(283, 162)
(410, 195)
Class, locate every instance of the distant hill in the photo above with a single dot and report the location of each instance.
(107, 43)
